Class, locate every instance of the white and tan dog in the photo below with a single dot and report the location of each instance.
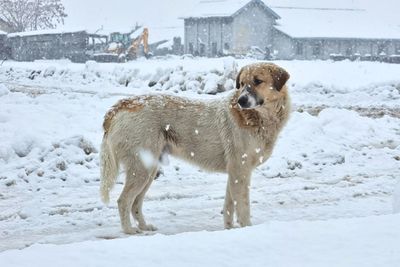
(231, 135)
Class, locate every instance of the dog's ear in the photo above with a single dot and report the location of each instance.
(279, 76)
(238, 79)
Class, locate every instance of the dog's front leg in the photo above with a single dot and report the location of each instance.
(238, 186)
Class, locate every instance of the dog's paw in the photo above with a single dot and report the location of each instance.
(148, 227)
(132, 231)
(228, 225)
(245, 223)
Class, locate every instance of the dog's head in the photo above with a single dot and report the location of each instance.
(259, 84)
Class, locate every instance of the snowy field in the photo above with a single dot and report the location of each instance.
(337, 160)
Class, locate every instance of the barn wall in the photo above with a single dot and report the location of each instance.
(3, 47)
(252, 26)
(348, 48)
(283, 46)
(208, 36)
(49, 46)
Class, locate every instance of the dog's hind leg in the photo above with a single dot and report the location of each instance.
(136, 180)
(228, 209)
(138, 204)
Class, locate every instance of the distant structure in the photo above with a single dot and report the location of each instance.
(172, 47)
(234, 27)
(3, 49)
(78, 46)
(53, 44)
(219, 28)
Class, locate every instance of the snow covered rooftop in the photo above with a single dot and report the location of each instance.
(336, 23)
(50, 31)
(221, 8)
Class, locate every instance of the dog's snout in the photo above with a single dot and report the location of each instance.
(243, 101)
(249, 99)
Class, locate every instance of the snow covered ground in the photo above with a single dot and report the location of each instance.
(371, 241)
(337, 159)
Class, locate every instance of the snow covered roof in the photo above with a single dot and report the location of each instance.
(49, 31)
(336, 23)
(223, 8)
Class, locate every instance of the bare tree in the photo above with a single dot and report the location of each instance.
(26, 15)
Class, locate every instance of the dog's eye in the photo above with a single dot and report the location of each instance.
(257, 81)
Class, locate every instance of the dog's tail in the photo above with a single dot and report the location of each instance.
(109, 168)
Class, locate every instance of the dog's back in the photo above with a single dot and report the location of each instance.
(191, 130)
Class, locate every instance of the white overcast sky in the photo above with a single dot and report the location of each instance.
(125, 13)
(158, 15)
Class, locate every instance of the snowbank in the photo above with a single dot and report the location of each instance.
(365, 242)
(175, 77)
(3, 90)
(372, 81)
(396, 198)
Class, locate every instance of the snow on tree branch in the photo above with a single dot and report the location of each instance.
(26, 15)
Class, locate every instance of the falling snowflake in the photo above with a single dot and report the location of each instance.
(167, 127)
(147, 158)
(192, 154)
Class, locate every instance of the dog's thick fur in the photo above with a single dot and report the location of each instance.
(218, 136)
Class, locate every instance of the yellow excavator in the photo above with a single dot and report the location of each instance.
(127, 48)
(132, 50)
